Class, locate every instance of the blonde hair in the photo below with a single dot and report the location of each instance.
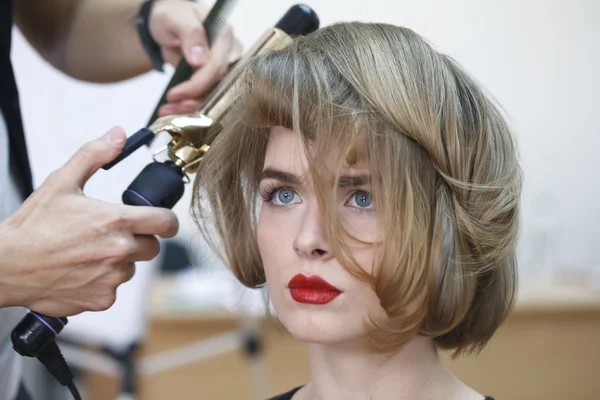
(445, 176)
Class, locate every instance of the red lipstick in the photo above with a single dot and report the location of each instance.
(312, 289)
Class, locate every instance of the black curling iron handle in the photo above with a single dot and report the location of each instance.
(158, 185)
(299, 20)
(35, 332)
(140, 138)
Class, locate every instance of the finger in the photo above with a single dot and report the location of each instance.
(168, 109)
(91, 156)
(191, 105)
(151, 221)
(146, 248)
(181, 22)
(171, 109)
(174, 109)
(184, 107)
(204, 79)
(127, 272)
(200, 84)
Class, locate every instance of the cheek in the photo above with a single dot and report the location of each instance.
(361, 227)
(363, 240)
(368, 303)
(368, 257)
(272, 240)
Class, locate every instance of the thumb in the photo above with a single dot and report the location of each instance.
(91, 156)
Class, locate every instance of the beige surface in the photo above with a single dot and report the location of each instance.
(547, 349)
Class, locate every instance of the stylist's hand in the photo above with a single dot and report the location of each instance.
(63, 253)
(176, 26)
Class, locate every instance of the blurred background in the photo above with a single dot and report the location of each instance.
(192, 327)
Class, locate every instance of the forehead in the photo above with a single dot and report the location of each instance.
(286, 150)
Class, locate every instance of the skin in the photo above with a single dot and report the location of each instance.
(292, 240)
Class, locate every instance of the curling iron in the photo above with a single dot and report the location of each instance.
(190, 133)
(162, 184)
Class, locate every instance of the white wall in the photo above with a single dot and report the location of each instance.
(539, 58)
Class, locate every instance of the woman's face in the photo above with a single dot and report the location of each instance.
(315, 298)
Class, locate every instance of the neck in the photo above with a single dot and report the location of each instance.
(352, 371)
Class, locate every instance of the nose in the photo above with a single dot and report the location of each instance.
(311, 241)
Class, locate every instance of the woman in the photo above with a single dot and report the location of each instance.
(374, 188)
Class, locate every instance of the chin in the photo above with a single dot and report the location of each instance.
(312, 325)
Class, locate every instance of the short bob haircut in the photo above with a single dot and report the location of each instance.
(445, 176)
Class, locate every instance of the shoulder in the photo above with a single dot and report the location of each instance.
(287, 395)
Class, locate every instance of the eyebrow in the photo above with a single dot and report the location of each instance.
(291, 179)
(354, 180)
(282, 176)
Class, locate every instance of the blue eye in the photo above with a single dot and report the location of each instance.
(285, 197)
(361, 199)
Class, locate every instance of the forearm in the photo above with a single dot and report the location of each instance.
(87, 39)
(103, 45)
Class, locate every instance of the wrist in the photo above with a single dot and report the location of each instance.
(151, 47)
(11, 294)
(6, 290)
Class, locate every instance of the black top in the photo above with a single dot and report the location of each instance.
(9, 104)
(288, 395)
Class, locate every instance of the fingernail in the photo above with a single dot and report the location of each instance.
(197, 55)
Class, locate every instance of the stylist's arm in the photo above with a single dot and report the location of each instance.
(63, 253)
(97, 41)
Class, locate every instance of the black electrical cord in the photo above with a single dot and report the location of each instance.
(74, 391)
(55, 363)
(35, 336)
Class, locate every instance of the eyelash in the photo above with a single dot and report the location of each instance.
(269, 192)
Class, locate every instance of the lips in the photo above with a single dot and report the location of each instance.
(312, 289)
